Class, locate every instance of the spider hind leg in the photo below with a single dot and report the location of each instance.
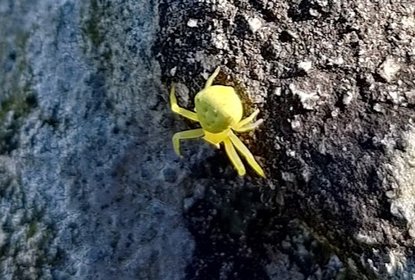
(233, 156)
(243, 150)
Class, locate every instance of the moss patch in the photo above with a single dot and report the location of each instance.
(12, 112)
(91, 28)
(95, 33)
(32, 229)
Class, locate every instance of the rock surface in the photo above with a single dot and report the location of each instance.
(90, 187)
(336, 141)
(89, 184)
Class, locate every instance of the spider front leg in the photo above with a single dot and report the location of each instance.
(246, 154)
(249, 126)
(249, 118)
(209, 81)
(187, 134)
(178, 110)
(246, 125)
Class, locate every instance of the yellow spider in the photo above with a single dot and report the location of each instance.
(219, 111)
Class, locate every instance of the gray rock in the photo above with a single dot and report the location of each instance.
(90, 187)
(89, 184)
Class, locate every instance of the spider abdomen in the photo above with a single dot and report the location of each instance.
(218, 108)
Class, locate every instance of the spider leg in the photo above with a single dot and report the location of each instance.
(212, 77)
(187, 134)
(183, 112)
(249, 126)
(233, 156)
(248, 119)
(246, 154)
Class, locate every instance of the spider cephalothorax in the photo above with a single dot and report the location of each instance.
(219, 111)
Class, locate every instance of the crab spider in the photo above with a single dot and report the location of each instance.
(219, 112)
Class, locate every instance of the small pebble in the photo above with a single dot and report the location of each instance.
(347, 98)
(378, 108)
(388, 69)
(395, 97)
(254, 24)
(338, 61)
(305, 66)
(291, 153)
(308, 99)
(390, 194)
(192, 23)
(314, 12)
(173, 71)
(277, 91)
(295, 125)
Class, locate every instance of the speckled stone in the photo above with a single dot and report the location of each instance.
(80, 199)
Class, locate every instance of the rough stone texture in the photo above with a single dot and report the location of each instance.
(89, 183)
(334, 81)
(90, 187)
